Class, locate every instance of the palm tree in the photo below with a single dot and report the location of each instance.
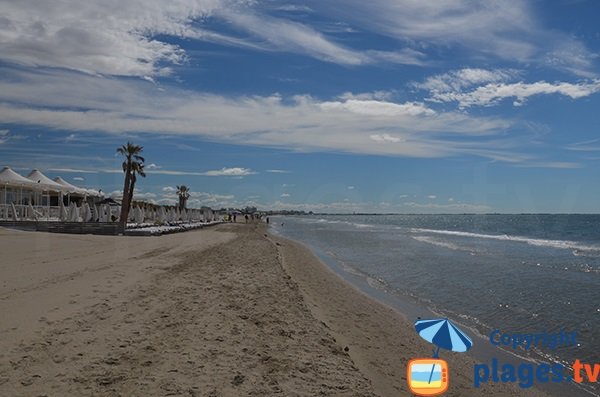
(131, 165)
(184, 193)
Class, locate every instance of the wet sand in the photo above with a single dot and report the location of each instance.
(224, 311)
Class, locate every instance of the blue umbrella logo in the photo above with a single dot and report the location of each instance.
(444, 334)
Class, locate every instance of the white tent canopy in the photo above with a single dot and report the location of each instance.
(39, 197)
(76, 189)
(10, 178)
(44, 182)
(69, 188)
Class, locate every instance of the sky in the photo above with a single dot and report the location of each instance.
(339, 106)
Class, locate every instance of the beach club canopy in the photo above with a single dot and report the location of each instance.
(443, 333)
(69, 188)
(44, 182)
(11, 179)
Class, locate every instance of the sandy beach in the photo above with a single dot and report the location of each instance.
(224, 311)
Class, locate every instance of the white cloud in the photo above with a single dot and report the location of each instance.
(278, 171)
(152, 166)
(171, 172)
(114, 38)
(385, 138)
(368, 96)
(432, 197)
(551, 164)
(234, 171)
(167, 201)
(591, 145)
(350, 187)
(143, 196)
(134, 37)
(78, 178)
(294, 8)
(71, 170)
(482, 87)
(169, 189)
(291, 36)
(81, 103)
(459, 80)
(285, 195)
(116, 194)
(200, 199)
(211, 196)
(6, 136)
(379, 108)
(125, 38)
(506, 29)
(492, 94)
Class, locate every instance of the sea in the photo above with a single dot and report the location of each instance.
(520, 274)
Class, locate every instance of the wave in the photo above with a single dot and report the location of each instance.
(336, 222)
(577, 248)
(441, 243)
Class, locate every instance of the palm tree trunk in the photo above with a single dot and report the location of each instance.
(130, 196)
(125, 201)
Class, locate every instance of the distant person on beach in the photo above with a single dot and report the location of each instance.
(246, 216)
(267, 220)
(234, 218)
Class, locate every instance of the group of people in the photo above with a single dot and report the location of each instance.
(252, 218)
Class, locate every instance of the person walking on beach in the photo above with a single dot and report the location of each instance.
(234, 218)
(246, 216)
(267, 220)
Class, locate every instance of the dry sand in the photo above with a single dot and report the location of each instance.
(225, 311)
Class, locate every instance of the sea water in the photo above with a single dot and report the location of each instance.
(515, 273)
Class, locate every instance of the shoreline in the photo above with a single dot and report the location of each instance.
(225, 311)
(381, 339)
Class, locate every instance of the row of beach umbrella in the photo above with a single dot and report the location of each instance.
(108, 213)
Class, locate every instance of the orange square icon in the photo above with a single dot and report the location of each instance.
(427, 376)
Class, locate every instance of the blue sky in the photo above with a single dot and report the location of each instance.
(337, 106)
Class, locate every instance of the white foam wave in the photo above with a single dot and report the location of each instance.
(337, 222)
(440, 243)
(361, 225)
(560, 244)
